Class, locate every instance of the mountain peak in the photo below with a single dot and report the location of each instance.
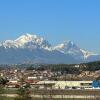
(35, 48)
(26, 41)
(69, 47)
(26, 37)
(66, 45)
(70, 43)
(31, 35)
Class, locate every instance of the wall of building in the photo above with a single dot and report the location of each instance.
(68, 84)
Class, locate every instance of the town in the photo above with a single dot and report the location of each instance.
(50, 81)
(43, 76)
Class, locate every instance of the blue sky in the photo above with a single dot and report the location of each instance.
(55, 20)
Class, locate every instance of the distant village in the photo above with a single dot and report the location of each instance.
(41, 77)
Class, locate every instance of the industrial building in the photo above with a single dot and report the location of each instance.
(65, 84)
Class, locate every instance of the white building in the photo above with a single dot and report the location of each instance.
(66, 84)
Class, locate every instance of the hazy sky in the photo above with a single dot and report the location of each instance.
(55, 20)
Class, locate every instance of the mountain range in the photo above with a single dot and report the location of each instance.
(34, 49)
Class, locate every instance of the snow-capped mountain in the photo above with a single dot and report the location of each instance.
(31, 49)
(34, 49)
(72, 49)
(26, 41)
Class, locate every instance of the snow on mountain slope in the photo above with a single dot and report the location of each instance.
(27, 41)
(35, 49)
(71, 48)
(88, 54)
(31, 48)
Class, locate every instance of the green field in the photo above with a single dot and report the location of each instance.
(57, 92)
(8, 98)
(43, 93)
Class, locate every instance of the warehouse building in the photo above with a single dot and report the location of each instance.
(65, 84)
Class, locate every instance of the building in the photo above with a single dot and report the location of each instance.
(96, 84)
(66, 84)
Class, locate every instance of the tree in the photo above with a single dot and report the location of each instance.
(3, 81)
(2, 91)
(24, 93)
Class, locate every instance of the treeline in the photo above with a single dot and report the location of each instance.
(68, 68)
(92, 66)
(64, 68)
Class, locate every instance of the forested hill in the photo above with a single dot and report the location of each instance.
(68, 68)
